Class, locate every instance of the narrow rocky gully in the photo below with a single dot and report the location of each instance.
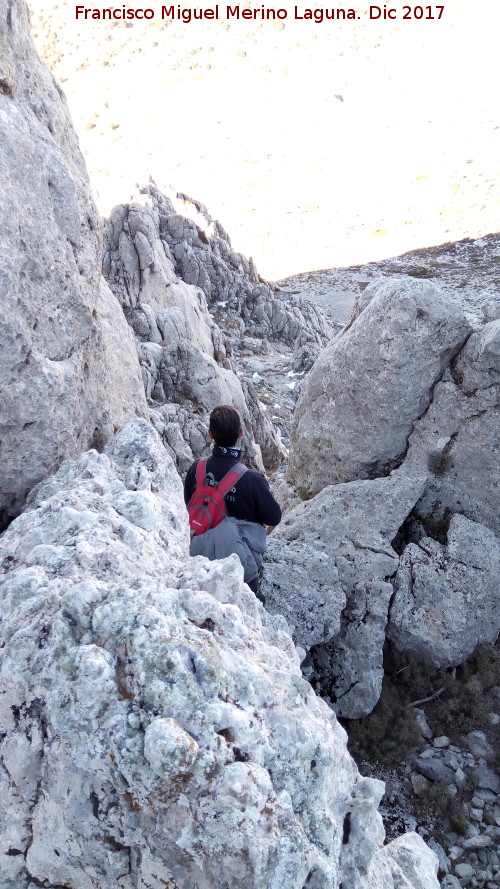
(160, 729)
(434, 736)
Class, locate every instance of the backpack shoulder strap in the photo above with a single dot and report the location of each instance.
(201, 472)
(231, 478)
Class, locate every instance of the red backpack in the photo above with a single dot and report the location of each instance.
(207, 507)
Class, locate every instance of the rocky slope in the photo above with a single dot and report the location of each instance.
(155, 727)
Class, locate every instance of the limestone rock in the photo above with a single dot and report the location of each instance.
(184, 355)
(414, 859)
(447, 597)
(366, 390)
(204, 257)
(457, 439)
(303, 585)
(67, 365)
(155, 727)
(344, 532)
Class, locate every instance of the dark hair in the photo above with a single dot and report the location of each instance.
(225, 425)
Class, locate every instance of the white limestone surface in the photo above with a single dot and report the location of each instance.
(155, 727)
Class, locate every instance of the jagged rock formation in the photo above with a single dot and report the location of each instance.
(346, 530)
(359, 403)
(155, 728)
(447, 598)
(202, 255)
(68, 365)
(185, 357)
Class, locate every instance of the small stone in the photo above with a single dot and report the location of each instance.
(451, 882)
(444, 861)
(477, 802)
(488, 796)
(460, 778)
(493, 718)
(487, 779)
(452, 760)
(479, 745)
(452, 789)
(441, 742)
(422, 723)
(464, 870)
(479, 842)
(428, 753)
(420, 784)
(434, 769)
(476, 814)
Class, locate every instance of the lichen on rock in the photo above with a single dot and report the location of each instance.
(156, 729)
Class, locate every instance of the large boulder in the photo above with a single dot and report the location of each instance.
(457, 440)
(328, 572)
(447, 598)
(366, 390)
(155, 727)
(68, 367)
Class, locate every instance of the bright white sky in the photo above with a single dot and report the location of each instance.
(247, 119)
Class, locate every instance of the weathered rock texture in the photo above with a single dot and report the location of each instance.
(155, 728)
(336, 548)
(203, 256)
(458, 438)
(366, 390)
(447, 599)
(184, 354)
(67, 365)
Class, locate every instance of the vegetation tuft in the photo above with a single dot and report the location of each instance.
(461, 696)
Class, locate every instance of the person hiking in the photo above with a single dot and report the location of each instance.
(249, 503)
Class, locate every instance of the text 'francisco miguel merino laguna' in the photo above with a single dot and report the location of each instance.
(188, 14)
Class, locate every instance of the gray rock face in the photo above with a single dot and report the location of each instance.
(458, 437)
(366, 390)
(184, 355)
(344, 532)
(67, 365)
(447, 598)
(155, 728)
(302, 584)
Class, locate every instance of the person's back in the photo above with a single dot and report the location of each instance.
(250, 500)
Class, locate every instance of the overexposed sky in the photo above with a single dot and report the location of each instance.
(315, 145)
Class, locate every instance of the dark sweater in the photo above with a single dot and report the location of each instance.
(250, 499)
